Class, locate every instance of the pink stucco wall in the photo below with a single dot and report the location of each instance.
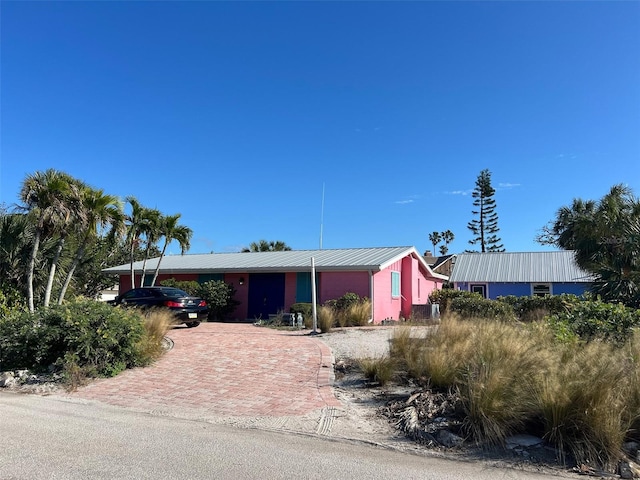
(333, 285)
(415, 287)
(385, 306)
(242, 294)
(290, 284)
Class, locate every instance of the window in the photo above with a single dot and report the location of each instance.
(395, 284)
(479, 288)
(540, 289)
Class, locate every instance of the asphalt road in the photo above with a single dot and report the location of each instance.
(55, 438)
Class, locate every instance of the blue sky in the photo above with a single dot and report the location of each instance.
(238, 114)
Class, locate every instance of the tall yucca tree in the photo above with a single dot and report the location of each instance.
(45, 196)
(102, 214)
(172, 230)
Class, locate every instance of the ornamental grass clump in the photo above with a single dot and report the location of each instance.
(157, 322)
(326, 318)
(588, 401)
(582, 396)
(381, 369)
(358, 314)
(503, 363)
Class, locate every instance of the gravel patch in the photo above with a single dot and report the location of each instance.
(358, 342)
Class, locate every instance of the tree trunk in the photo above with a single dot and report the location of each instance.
(155, 275)
(133, 276)
(72, 269)
(52, 271)
(144, 266)
(31, 268)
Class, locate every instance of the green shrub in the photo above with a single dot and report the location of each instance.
(219, 297)
(475, 306)
(591, 319)
(18, 340)
(94, 337)
(536, 308)
(444, 296)
(11, 299)
(347, 300)
(192, 287)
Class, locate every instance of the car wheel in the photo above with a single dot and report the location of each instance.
(192, 324)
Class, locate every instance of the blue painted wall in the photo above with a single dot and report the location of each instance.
(574, 288)
(495, 290)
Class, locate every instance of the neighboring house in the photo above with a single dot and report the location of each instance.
(520, 273)
(442, 265)
(394, 278)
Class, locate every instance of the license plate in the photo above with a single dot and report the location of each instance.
(193, 315)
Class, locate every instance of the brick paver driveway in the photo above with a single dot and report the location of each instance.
(227, 369)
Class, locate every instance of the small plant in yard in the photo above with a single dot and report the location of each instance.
(381, 369)
(326, 318)
(351, 310)
(358, 314)
(157, 322)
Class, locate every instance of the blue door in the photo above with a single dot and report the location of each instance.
(266, 295)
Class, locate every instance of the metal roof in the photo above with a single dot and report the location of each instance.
(348, 259)
(510, 267)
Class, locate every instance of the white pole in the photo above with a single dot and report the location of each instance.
(322, 216)
(313, 296)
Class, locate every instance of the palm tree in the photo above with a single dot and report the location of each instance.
(72, 216)
(605, 236)
(171, 231)
(135, 228)
(16, 240)
(45, 198)
(435, 238)
(101, 211)
(447, 237)
(265, 246)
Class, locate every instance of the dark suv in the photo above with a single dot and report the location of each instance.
(187, 309)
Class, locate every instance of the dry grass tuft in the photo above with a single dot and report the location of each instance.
(326, 318)
(157, 322)
(585, 397)
(358, 314)
(381, 369)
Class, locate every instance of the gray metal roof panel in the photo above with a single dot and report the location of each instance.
(355, 259)
(513, 267)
